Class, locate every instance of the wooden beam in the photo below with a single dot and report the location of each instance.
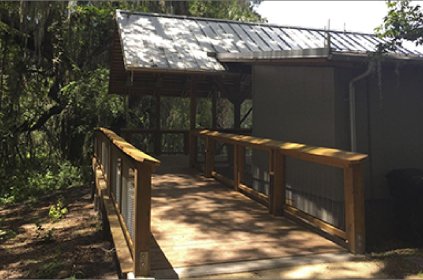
(124, 148)
(193, 107)
(295, 213)
(354, 208)
(142, 222)
(157, 136)
(277, 186)
(123, 253)
(320, 155)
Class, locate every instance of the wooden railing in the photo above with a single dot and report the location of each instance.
(157, 144)
(127, 174)
(278, 152)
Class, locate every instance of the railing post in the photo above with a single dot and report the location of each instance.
(209, 165)
(142, 220)
(354, 208)
(277, 182)
(239, 163)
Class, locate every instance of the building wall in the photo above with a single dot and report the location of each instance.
(294, 104)
(389, 111)
(297, 104)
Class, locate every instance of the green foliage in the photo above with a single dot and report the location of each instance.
(54, 61)
(403, 22)
(39, 181)
(57, 211)
(232, 9)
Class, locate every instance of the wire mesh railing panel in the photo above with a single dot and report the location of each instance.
(118, 180)
(130, 221)
(316, 190)
(256, 170)
(104, 156)
(201, 153)
(173, 143)
(224, 159)
(127, 197)
(143, 141)
(113, 166)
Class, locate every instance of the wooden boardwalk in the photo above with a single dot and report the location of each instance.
(202, 226)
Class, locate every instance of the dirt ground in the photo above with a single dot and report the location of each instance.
(32, 245)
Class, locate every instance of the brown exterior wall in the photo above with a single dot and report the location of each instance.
(311, 105)
(297, 104)
(294, 104)
(388, 121)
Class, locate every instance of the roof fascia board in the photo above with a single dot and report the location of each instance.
(362, 57)
(274, 55)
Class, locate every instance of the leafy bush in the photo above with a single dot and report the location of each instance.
(57, 211)
(33, 183)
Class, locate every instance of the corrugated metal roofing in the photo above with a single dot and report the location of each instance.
(184, 43)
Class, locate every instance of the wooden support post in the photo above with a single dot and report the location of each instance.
(239, 163)
(214, 110)
(354, 208)
(142, 220)
(237, 113)
(277, 183)
(209, 165)
(157, 136)
(193, 105)
(192, 125)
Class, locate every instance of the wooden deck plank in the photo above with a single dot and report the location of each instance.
(197, 221)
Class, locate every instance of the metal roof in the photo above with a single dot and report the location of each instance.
(171, 42)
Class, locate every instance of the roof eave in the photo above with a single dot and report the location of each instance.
(315, 53)
(175, 70)
(273, 55)
(387, 57)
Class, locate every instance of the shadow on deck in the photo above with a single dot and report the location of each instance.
(201, 227)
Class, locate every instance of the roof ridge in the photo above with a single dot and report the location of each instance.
(241, 22)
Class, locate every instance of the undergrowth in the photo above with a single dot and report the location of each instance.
(31, 183)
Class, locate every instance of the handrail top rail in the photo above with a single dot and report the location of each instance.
(335, 156)
(171, 130)
(128, 148)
